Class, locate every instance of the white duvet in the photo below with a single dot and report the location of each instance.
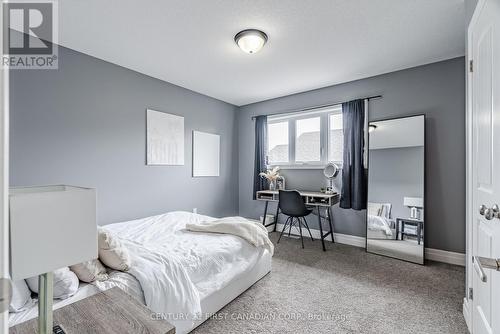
(177, 268)
(252, 231)
(172, 268)
(377, 223)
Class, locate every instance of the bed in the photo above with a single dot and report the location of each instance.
(183, 276)
(380, 225)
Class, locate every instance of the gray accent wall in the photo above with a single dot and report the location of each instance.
(84, 124)
(436, 90)
(470, 6)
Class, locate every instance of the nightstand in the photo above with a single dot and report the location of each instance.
(110, 312)
(409, 221)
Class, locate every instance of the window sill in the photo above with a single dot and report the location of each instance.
(285, 167)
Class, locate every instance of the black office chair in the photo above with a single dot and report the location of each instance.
(292, 205)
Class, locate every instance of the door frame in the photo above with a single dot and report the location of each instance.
(469, 186)
(4, 179)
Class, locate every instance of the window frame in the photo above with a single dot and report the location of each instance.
(292, 118)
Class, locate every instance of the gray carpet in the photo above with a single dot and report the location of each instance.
(345, 290)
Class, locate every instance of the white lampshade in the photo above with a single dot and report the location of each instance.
(413, 202)
(51, 227)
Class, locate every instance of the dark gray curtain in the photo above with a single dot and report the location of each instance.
(354, 183)
(260, 153)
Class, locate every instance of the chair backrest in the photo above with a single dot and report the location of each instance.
(291, 203)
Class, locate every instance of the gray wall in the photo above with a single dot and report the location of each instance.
(84, 124)
(470, 5)
(396, 173)
(436, 90)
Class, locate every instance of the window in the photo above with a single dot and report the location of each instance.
(277, 134)
(306, 139)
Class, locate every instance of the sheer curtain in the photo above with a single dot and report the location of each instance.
(260, 153)
(354, 183)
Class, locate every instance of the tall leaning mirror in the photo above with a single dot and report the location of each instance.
(395, 210)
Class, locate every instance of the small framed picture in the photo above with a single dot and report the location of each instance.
(280, 183)
(165, 139)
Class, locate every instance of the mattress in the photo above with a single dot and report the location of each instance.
(220, 266)
(212, 260)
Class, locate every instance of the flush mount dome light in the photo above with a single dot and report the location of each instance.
(251, 40)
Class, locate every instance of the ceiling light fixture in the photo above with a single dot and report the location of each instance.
(251, 40)
(371, 127)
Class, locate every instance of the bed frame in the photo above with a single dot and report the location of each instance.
(214, 302)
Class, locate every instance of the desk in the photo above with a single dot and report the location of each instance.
(311, 198)
(409, 221)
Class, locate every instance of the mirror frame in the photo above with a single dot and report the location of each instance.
(424, 182)
(333, 165)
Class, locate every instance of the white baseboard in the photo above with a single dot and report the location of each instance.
(439, 255)
(430, 253)
(348, 239)
(345, 239)
(467, 313)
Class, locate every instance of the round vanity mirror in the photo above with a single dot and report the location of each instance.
(330, 171)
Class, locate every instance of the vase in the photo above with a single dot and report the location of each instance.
(272, 184)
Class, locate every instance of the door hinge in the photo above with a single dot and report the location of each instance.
(471, 66)
(471, 294)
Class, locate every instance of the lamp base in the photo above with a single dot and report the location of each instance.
(414, 213)
(45, 295)
(330, 190)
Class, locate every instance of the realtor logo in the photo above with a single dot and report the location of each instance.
(30, 34)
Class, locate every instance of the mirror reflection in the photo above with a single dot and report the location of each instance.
(395, 211)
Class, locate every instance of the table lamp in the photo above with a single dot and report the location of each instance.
(414, 203)
(50, 227)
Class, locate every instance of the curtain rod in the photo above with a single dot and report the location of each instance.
(317, 107)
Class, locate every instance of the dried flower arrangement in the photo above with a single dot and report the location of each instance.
(271, 175)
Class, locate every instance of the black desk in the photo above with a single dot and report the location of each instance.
(408, 221)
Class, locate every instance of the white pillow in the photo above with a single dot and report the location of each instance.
(90, 271)
(21, 297)
(65, 283)
(111, 251)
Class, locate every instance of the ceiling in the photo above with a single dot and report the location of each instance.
(312, 44)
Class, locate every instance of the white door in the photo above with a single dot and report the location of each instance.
(484, 43)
